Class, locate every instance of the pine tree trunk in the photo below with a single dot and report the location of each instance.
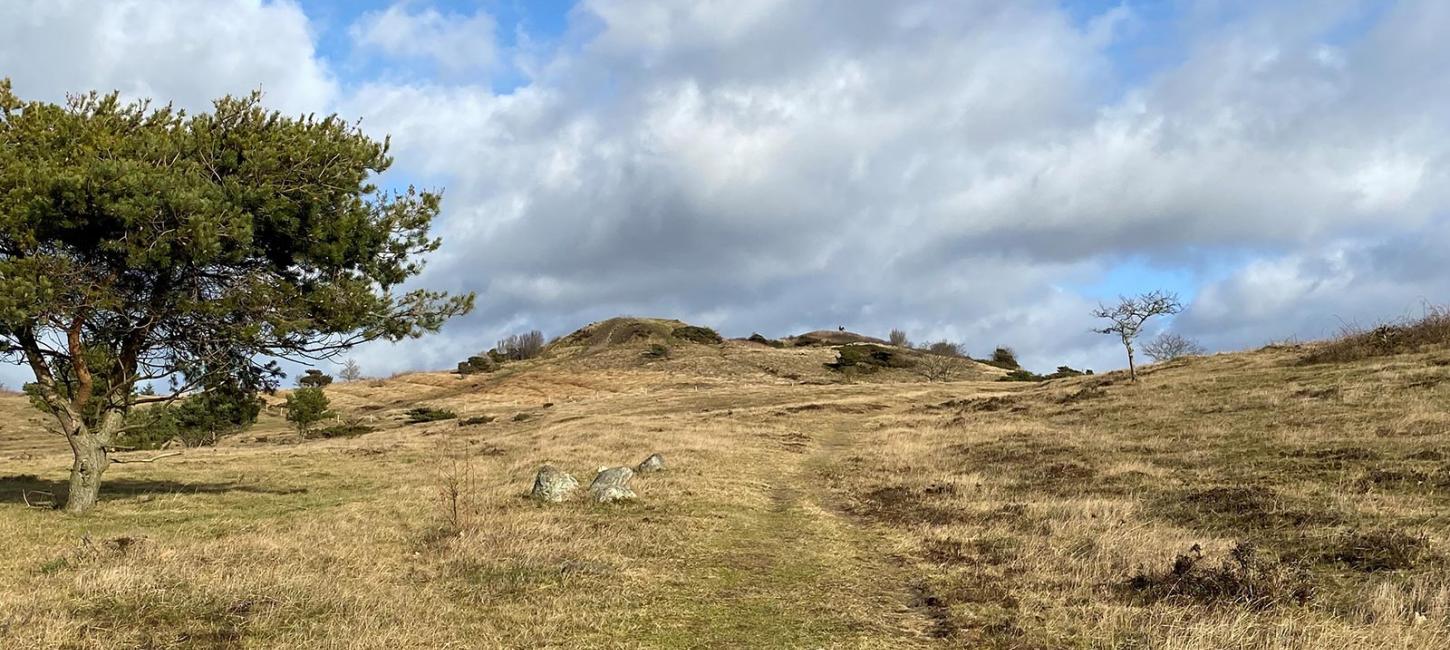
(86, 470)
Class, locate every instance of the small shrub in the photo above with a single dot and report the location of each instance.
(477, 364)
(1353, 343)
(933, 367)
(868, 357)
(346, 429)
(898, 339)
(520, 417)
(697, 334)
(1382, 549)
(457, 488)
(944, 348)
(1245, 578)
(1005, 358)
(656, 351)
(1021, 374)
(1169, 346)
(1067, 371)
(757, 338)
(476, 420)
(421, 414)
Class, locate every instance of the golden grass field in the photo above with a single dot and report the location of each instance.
(801, 509)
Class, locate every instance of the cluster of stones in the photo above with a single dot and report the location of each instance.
(553, 485)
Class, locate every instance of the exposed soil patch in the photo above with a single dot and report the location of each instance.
(906, 505)
(1246, 578)
(934, 609)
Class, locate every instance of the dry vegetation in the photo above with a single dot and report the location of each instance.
(1249, 500)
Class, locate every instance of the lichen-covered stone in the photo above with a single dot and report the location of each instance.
(655, 463)
(612, 484)
(552, 485)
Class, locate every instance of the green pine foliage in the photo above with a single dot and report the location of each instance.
(306, 407)
(140, 242)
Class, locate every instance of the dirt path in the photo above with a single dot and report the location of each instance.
(797, 570)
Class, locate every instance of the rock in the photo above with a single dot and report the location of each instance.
(612, 484)
(655, 463)
(552, 485)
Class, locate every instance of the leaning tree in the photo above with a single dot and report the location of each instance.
(142, 243)
(1129, 315)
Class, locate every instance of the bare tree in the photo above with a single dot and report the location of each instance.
(898, 339)
(935, 367)
(1169, 346)
(350, 371)
(944, 348)
(522, 346)
(1129, 315)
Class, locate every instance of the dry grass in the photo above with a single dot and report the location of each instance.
(800, 509)
(1409, 335)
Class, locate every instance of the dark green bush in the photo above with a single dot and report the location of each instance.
(347, 429)
(477, 364)
(656, 351)
(1021, 374)
(1005, 358)
(758, 338)
(1068, 371)
(420, 414)
(314, 378)
(696, 334)
(198, 420)
(869, 357)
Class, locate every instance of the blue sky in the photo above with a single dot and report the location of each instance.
(520, 24)
(975, 170)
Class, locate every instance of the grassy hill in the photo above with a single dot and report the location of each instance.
(1270, 499)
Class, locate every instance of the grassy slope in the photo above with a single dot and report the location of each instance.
(797, 512)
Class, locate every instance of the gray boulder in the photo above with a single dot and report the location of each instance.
(612, 484)
(552, 485)
(655, 463)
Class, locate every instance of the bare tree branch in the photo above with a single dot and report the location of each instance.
(1129, 315)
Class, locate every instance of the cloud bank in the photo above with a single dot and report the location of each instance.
(976, 170)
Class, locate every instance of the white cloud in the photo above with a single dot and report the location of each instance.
(955, 168)
(454, 41)
(171, 50)
(783, 165)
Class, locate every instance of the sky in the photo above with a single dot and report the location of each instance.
(974, 170)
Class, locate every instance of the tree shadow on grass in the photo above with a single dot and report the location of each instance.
(29, 488)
